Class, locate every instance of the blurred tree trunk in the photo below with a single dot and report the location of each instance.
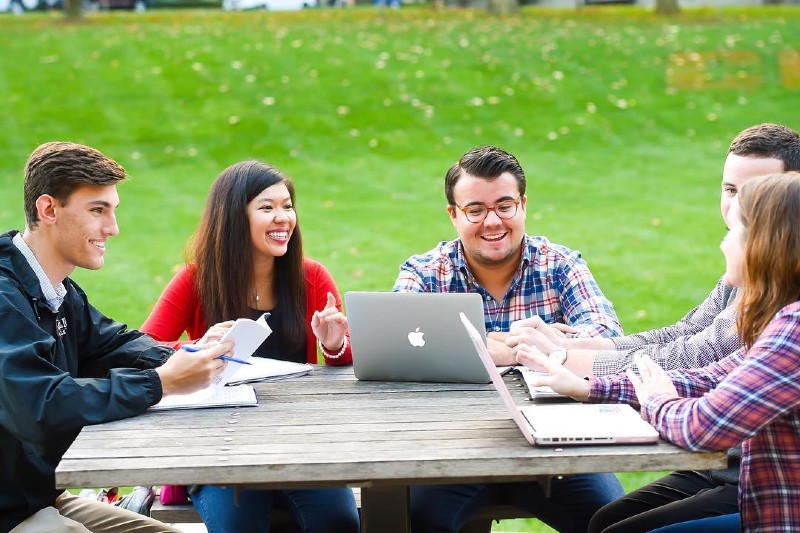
(667, 7)
(503, 7)
(72, 8)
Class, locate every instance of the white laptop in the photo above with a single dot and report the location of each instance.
(398, 336)
(567, 424)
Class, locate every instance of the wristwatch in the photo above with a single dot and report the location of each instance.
(558, 356)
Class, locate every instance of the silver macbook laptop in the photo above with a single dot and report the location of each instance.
(399, 336)
(567, 424)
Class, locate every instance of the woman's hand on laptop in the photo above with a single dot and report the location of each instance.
(556, 376)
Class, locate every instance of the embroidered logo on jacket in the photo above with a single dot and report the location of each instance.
(61, 326)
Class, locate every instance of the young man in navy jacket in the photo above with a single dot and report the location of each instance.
(63, 364)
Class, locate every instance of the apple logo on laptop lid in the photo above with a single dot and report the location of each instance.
(416, 338)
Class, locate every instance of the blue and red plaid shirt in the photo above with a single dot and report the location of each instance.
(552, 282)
(749, 397)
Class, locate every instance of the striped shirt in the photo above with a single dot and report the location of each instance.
(53, 295)
(552, 282)
(750, 397)
(706, 334)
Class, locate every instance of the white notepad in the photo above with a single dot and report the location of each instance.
(265, 369)
(238, 396)
(247, 335)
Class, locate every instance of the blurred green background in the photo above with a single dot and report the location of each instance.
(620, 119)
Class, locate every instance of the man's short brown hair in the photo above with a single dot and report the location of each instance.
(771, 141)
(58, 168)
(486, 162)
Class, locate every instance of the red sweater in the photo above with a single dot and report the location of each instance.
(178, 310)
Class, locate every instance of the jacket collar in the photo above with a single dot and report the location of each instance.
(14, 265)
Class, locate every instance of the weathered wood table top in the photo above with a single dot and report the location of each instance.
(329, 429)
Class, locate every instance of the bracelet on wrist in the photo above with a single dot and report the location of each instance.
(330, 355)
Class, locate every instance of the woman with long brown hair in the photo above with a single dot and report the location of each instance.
(751, 397)
(247, 259)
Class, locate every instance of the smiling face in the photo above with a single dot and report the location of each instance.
(272, 220)
(494, 241)
(738, 170)
(82, 226)
(732, 246)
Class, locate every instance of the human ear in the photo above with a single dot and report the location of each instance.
(46, 209)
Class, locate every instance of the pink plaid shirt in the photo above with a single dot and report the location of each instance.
(749, 397)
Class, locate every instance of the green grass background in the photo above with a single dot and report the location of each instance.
(366, 109)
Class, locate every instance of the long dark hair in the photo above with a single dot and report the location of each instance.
(223, 251)
(770, 210)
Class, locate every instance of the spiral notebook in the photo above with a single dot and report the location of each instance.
(238, 396)
(247, 335)
(263, 369)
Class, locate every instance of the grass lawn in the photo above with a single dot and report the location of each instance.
(620, 119)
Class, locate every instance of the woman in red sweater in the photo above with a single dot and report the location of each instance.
(248, 259)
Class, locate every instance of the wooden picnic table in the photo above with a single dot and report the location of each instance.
(329, 429)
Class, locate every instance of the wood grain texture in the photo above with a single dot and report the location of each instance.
(329, 429)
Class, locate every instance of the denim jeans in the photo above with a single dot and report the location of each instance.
(572, 502)
(314, 510)
(727, 523)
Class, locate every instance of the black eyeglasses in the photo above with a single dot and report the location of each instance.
(504, 209)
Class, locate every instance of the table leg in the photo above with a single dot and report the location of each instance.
(384, 509)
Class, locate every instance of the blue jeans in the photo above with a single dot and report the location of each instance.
(314, 510)
(727, 523)
(572, 502)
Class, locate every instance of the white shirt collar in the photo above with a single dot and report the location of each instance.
(53, 294)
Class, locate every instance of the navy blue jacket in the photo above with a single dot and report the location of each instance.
(58, 373)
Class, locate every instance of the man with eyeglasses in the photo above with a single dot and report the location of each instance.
(518, 276)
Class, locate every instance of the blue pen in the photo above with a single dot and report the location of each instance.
(193, 348)
(234, 360)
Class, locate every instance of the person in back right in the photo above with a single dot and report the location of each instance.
(752, 397)
(705, 335)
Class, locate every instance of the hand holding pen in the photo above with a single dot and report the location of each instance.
(194, 348)
(186, 372)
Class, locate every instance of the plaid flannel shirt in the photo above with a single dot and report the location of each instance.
(552, 282)
(750, 397)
